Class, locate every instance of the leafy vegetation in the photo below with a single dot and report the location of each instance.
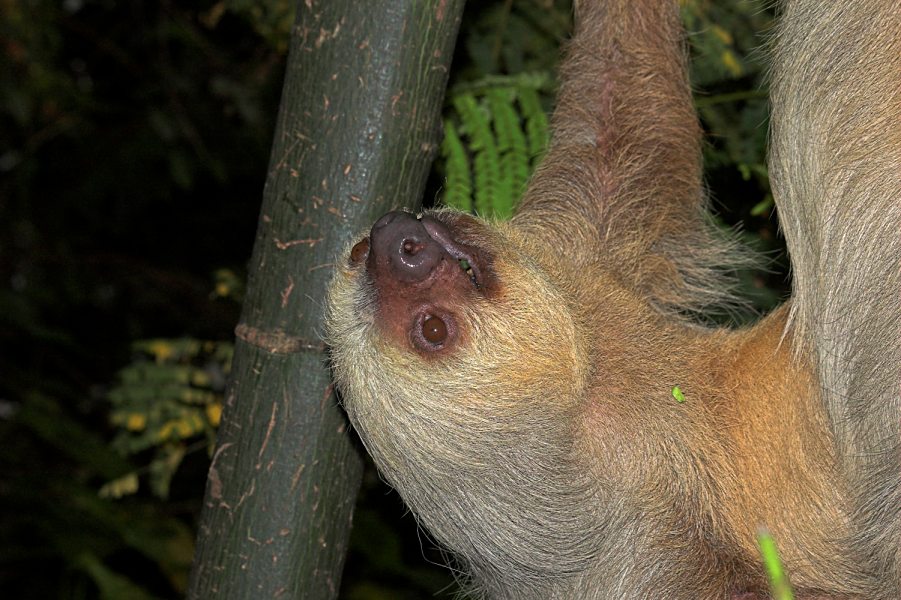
(165, 399)
(135, 142)
(494, 136)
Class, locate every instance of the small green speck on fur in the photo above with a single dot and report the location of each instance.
(678, 395)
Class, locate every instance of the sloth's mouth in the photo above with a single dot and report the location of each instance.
(467, 268)
(464, 256)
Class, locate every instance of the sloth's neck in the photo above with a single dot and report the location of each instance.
(745, 445)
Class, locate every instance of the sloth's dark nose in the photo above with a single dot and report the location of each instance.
(400, 239)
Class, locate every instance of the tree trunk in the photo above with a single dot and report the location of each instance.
(357, 130)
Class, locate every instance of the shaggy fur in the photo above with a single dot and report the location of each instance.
(836, 172)
(540, 441)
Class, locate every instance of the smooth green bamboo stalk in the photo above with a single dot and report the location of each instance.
(358, 127)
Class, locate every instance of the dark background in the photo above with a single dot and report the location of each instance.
(134, 140)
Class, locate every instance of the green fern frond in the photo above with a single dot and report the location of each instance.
(169, 398)
(476, 124)
(458, 186)
(511, 144)
(536, 124)
(494, 137)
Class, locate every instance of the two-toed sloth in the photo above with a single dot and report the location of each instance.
(514, 381)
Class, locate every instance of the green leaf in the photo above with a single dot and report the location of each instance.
(779, 583)
(458, 187)
(493, 139)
